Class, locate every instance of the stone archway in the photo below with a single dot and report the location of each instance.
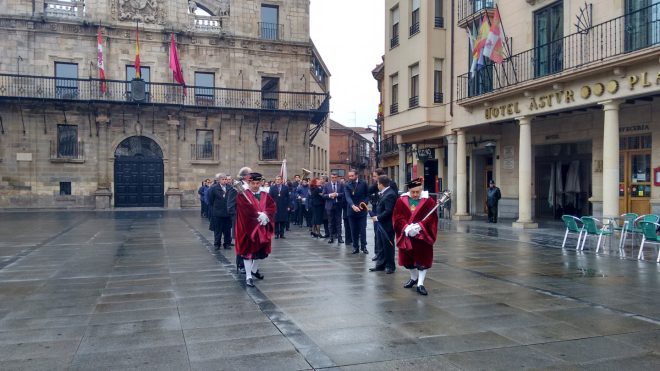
(139, 173)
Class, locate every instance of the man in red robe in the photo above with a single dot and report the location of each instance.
(255, 226)
(416, 226)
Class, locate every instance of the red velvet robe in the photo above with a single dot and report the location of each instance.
(415, 252)
(253, 241)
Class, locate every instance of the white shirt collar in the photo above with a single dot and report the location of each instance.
(425, 194)
(383, 191)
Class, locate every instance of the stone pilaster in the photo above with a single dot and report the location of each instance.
(173, 193)
(525, 175)
(103, 194)
(451, 163)
(611, 159)
(461, 177)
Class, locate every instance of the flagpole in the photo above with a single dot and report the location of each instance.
(506, 43)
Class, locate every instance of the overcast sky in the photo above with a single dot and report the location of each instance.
(349, 34)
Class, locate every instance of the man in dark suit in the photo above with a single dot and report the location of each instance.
(373, 196)
(220, 217)
(356, 193)
(280, 194)
(333, 193)
(383, 216)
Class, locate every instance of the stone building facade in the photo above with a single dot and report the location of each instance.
(256, 93)
(565, 124)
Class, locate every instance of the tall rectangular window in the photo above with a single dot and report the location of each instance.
(548, 39)
(642, 24)
(204, 88)
(394, 16)
(270, 87)
(414, 86)
(414, 18)
(439, 20)
(65, 88)
(67, 141)
(394, 107)
(204, 146)
(269, 26)
(437, 81)
(145, 74)
(269, 145)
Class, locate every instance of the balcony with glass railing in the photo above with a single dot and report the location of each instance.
(628, 34)
(469, 10)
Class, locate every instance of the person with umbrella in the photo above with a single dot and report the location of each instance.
(382, 219)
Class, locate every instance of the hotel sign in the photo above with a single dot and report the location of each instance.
(568, 96)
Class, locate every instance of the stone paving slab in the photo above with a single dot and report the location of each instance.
(144, 290)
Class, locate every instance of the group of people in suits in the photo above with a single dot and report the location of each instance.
(256, 215)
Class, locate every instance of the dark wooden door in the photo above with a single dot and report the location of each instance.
(139, 182)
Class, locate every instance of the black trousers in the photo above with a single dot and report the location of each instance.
(358, 231)
(280, 227)
(492, 213)
(385, 257)
(222, 227)
(334, 218)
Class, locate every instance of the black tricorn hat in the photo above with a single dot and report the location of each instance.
(255, 176)
(415, 183)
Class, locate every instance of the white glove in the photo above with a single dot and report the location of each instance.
(413, 230)
(263, 218)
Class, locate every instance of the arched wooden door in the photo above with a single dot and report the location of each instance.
(139, 173)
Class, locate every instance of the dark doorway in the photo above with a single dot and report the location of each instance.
(431, 175)
(139, 174)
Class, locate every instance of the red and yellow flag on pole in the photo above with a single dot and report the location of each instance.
(99, 61)
(138, 75)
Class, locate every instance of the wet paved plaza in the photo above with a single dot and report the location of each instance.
(143, 290)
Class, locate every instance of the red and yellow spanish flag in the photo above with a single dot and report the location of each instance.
(137, 52)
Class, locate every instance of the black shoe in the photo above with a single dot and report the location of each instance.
(258, 275)
(227, 247)
(374, 258)
(356, 251)
(241, 270)
(421, 290)
(389, 271)
(249, 282)
(231, 244)
(376, 269)
(339, 240)
(331, 240)
(282, 236)
(364, 250)
(411, 282)
(216, 247)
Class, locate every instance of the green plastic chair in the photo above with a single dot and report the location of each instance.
(594, 227)
(637, 229)
(650, 235)
(573, 225)
(627, 227)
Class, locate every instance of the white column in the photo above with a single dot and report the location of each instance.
(402, 168)
(525, 175)
(451, 163)
(611, 158)
(461, 177)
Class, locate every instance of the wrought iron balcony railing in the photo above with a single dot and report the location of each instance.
(209, 152)
(394, 108)
(270, 31)
(389, 146)
(89, 90)
(437, 97)
(413, 102)
(414, 29)
(473, 9)
(625, 34)
(394, 42)
(439, 22)
(67, 151)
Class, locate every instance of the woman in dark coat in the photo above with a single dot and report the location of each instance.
(318, 207)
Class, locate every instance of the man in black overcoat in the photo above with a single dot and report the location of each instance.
(280, 193)
(356, 194)
(220, 217)
(383, 216)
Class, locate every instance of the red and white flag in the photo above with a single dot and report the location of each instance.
(283, 171)
(99, 62)
(138, 67)
(175, 66)
(494, 49)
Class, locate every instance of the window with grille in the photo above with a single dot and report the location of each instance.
(67, 141)
(269, 145)
(66, 85)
